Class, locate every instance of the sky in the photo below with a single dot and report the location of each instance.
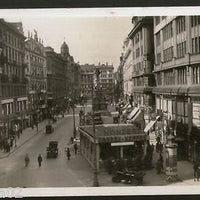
(91, 39)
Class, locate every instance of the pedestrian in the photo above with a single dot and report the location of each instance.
(195, 168)
(68, 153)
(27, 160)
(198, 172)
(72, 140)
(75, 148)
(11, 142)
(161, 161)
(39, 160)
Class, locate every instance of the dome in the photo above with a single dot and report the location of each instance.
(64, 49)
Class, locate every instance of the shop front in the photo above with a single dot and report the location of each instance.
(114, 141)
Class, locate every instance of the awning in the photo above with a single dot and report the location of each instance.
(150, 124)
(133, 113)
(124, 111)
(126, 106)
(135, 117)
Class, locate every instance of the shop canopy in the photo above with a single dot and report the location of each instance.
(112, 133)
(150, 124)
(133, 113)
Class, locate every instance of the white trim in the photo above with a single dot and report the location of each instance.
(22, 98)
(4, 101)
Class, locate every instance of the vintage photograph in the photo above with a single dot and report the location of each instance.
(99, 100)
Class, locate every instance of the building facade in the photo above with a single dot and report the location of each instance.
(14, 100)
(106, 79)
(72, 73)
(127, 67)
(177, 71)
(37, 77)
(87, 74)
(119, 81)
(56, 78)
(142, 64)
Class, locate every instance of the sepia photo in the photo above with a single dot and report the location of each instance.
(99, 98)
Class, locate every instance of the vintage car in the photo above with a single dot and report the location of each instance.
(49, 129)
(52, 149)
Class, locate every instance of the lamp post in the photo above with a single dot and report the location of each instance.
(73, 110)
(95, 180)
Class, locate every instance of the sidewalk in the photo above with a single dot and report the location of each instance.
(26, 135)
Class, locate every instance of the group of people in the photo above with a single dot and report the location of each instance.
(27, 160)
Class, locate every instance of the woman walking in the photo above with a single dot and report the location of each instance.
(68, 153)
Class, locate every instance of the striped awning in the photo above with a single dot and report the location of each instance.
(133, 113)
(150, 124)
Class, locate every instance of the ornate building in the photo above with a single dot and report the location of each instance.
(37, 77)
(14, 100)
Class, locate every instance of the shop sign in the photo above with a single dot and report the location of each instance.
(122, 143)
(196, 114)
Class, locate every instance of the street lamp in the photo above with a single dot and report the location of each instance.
(73, 110)
(95, 181)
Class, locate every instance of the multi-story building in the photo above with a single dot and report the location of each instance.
(127, 67)
(14, 99)
(72, 72)
(87, 74)
(36, 75)
(56, 78)
(119, 81)
(177, 70)
(141, 64)
(106, 79)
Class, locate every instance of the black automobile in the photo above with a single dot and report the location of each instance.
(52, 149)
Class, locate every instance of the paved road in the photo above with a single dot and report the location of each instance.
(57, 172)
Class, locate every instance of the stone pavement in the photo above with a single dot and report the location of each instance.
(26, 135)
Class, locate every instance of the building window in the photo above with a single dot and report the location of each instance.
(137, 52)
(196, 45)
(168, 54)
(182, 76)
(168, 32)
(180, 24)
(195, 20)
(159, 78)
(158, 58)
(195, 74)
(169, 77)
(158, 39)
(181, 49)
